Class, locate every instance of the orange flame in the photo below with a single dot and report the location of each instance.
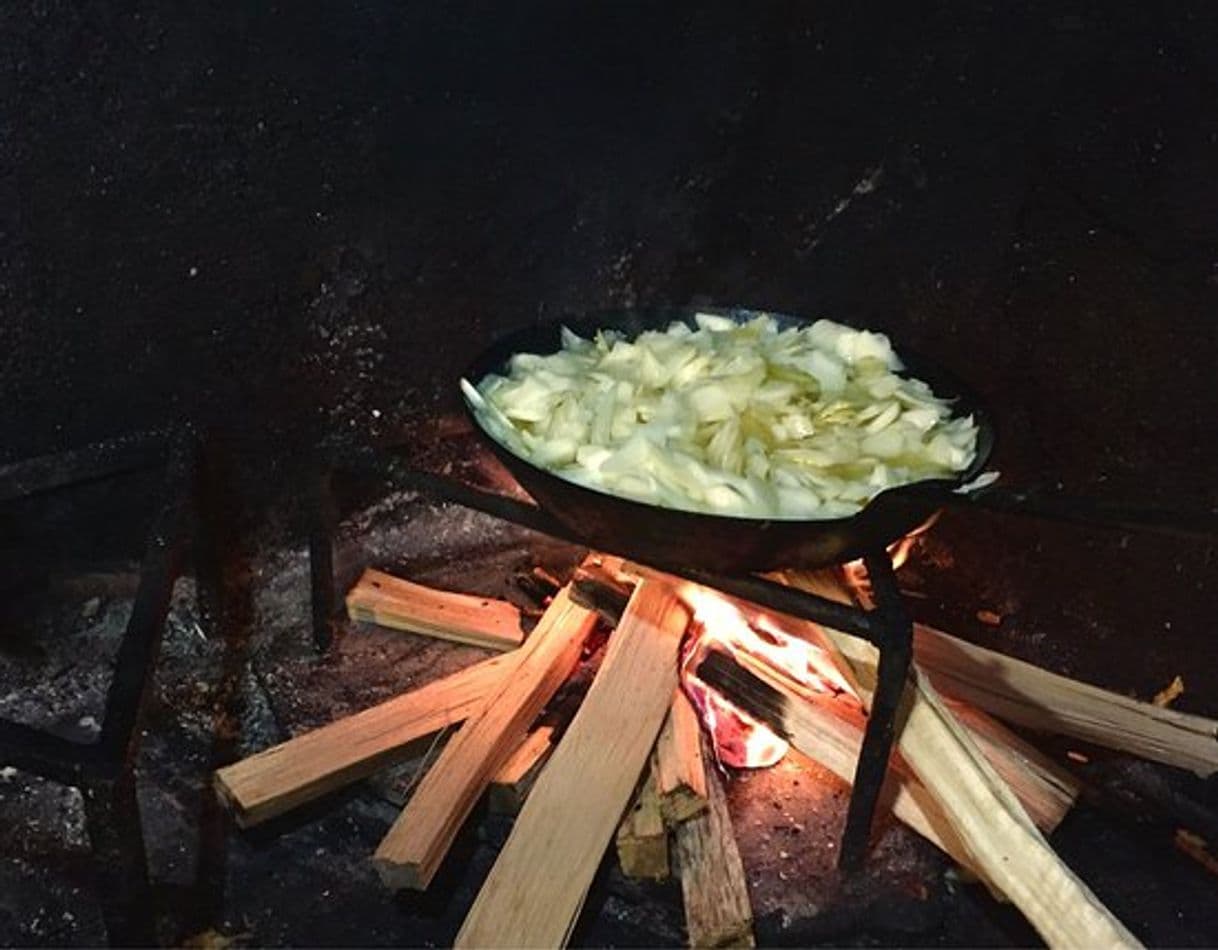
(740, 739)
(763, 645)
(899, 551)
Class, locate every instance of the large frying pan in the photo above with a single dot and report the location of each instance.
(720, 543)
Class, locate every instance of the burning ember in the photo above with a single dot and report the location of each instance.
(740, 739)
(899, 551)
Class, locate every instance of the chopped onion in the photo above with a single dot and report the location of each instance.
(742, 419)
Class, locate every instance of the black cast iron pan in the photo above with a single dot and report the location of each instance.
(715, 542)
(737, 545)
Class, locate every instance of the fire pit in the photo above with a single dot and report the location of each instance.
(281, 235)
(410, 855)
(784, 819)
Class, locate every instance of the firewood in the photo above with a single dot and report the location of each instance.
(383, 599)
(1047, 789)
(713, 885)
(511, 784)
(310, 765)
(830, 732)
(411, 852)
(538, 884)
(1029, 696)
(1003, 843)
(999, 835)
(680, 776)
(1026, 695)
(642, 839)
(598, 588)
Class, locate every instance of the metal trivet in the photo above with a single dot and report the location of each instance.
(102, 769)
(888, 626)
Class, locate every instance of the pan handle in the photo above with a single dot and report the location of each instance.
(1055, 505)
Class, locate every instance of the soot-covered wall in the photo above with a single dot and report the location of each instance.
(280, 218)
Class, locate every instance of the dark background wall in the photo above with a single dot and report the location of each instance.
(279, 218)
(296, 223)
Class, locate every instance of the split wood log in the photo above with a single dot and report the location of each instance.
(390, 601)
(598, 588)
(1026, 695)
(642, 838)
(713, 885)
(538, 884)
(1003, 843)
(411, 852)
(679, 770)
(834, 734)
(1037, 699)
(511, 784)
(829, 731)
(315, 763)
(1046, 789)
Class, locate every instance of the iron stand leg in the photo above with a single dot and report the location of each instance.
(896, 649)
(104, 770)
(141, 643)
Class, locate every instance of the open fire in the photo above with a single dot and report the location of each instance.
(622, 771)
(740, 739)
(756, 639)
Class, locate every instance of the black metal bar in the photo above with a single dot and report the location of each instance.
(779, 597)
(791, 601)
(324, 520)
(88, 463)
(398, 475)
(73, 762)
(523, 513)
(102, 768)
(142, 639)
(896, 650)
(1052, 505)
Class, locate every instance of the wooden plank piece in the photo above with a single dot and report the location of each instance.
(411, 852)
(1004, 845)
(511, 784)
(390, 601)
(642, 838)
(1003, 841)
(1046, 789)
(833, 732)
(680, 774)
(1026, 695)
(310, 765)
(713, 885)
(1047, 702)
(538, 884)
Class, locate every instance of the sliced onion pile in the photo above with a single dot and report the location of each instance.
(732, 419)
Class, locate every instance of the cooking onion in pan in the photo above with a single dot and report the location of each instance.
(734, 419)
